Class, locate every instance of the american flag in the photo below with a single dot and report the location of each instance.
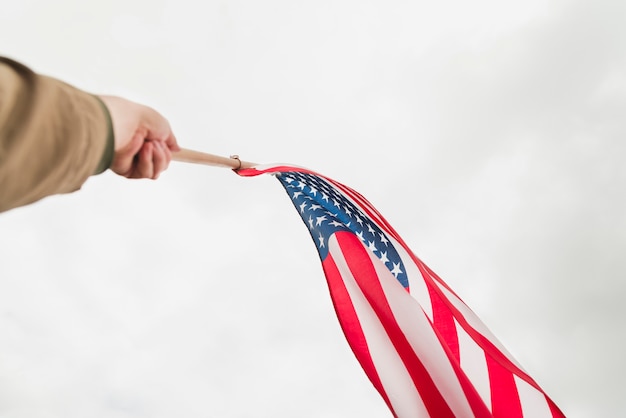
(423, 349)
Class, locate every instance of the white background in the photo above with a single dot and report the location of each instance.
(491, 134)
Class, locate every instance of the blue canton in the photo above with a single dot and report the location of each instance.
(325, 210)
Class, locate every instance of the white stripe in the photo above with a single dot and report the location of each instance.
(474, 364)
(417, 285)
(425, 343)
(534, 403)
(393, 375)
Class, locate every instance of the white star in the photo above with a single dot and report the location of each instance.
(347, 210)
(315, 207)
(370, 229)
(396, 269)
(289, 179)
(320, 219)
(383, 257)
(296, 194)
(321, 238)
(384, 239)
(311, 221)
(335, 223)
(301, 185)
(359, 220)
(324, 197)
(302, 207)
(371, 246)
(313, 191)
(360, 235)
(335, 203)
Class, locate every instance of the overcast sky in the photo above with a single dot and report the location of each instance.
(491, 135)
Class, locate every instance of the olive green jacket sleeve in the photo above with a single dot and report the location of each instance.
(52, 136)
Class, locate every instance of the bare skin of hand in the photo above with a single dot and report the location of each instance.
(144, 141)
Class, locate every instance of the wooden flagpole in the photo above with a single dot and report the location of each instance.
(197, 157)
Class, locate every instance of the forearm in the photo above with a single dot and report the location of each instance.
(52, 136)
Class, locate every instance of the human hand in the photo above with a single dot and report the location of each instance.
(143, 139)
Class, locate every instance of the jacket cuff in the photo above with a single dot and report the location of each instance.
(109, 151)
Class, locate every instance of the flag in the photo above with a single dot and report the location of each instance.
(421, 346)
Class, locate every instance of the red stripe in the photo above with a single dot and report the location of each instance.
(505, 401)
(443, 320)
(556, 412)
(350, 324)
(251, 172)
(363, 271)
(431, 274)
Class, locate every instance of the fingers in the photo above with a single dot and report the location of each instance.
(126, 159)
(161, 157)
(153, 158)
